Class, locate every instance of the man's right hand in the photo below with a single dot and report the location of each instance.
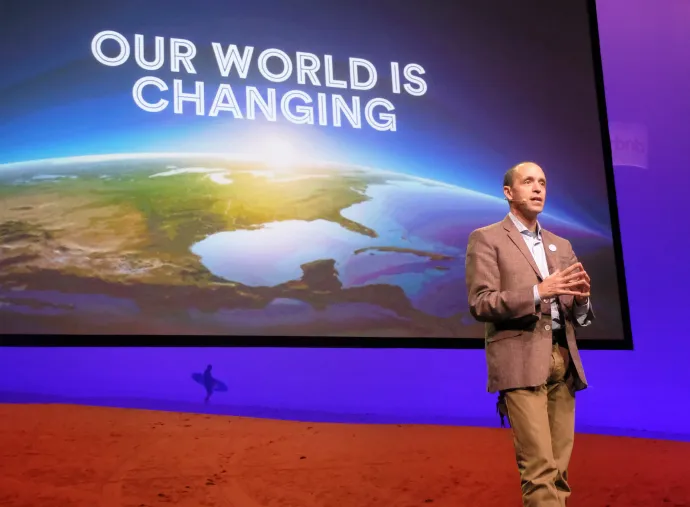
(562, 283)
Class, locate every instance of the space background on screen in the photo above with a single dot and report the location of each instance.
(284, 168)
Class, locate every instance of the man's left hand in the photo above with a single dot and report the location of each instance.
(582, 285)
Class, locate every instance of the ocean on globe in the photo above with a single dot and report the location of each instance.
(213, 244)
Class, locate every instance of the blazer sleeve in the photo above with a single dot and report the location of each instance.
(487, 302)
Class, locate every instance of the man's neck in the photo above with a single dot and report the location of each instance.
(531, 224)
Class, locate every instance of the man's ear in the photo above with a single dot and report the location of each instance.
(508, 192)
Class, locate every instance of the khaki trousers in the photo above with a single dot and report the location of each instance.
(543, 424)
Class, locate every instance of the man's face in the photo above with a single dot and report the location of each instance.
(528, 192)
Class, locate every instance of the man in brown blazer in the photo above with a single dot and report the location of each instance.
(527, 286)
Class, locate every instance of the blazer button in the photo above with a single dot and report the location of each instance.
(547, 327)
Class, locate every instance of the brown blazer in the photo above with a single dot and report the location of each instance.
(500, 274)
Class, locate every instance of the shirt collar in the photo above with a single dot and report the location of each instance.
(524, 230)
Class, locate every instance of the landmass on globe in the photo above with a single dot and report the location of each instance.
(215, 244)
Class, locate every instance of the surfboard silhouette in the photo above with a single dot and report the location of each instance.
(219, 385)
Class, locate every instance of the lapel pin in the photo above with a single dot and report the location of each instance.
(552, 248)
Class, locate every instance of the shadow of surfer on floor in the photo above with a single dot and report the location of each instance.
(210, 383)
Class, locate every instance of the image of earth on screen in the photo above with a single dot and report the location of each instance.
(285, 168)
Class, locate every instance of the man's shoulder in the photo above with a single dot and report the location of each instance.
(489, 235)
(488, 231)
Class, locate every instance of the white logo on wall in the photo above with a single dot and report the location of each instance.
(629, 144)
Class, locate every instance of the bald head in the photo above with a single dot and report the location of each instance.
(509, 176)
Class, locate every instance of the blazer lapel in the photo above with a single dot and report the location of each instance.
(519, 242)
(551, 257)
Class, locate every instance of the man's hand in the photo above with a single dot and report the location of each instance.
(572, 281)
(583, 287)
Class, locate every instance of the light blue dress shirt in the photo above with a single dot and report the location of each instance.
(535, 245)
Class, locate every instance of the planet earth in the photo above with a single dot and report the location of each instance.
(213, 244)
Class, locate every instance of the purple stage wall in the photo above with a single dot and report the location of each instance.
(647, 75)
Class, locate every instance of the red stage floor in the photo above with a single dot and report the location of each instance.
(65, 455)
